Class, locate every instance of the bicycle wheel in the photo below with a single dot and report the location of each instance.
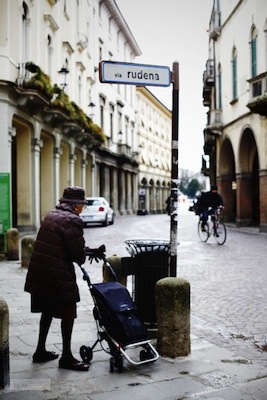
(221, 233)
(203, 233)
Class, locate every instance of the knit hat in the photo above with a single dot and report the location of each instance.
(73, 195)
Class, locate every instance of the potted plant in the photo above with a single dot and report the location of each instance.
(39, 81)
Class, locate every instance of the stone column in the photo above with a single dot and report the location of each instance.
(114, 194)
(263, 200)
(57, 154)
(36, 205)
(173, 316)
(27, 244)
(12, 238)
(122, 192)
(129, 192)
(4, 345)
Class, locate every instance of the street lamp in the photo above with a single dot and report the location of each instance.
(64, 71)
(91, 105)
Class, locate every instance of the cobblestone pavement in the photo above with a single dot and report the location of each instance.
(228, 282)
(228, 323)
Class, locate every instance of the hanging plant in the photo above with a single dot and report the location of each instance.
(39, 81)
(80, 117)
(30, 66)
(97, 133)
(62, 101)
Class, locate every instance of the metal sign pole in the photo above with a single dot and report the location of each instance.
(174, 172)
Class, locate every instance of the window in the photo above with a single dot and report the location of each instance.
(127, 130)
(102, 108)
(100, 10)
(49, 54)
(25, 38)
(219, 88)
(111, 121)
(109, 25)
(253, 44)
(80, 89)
(234, 72)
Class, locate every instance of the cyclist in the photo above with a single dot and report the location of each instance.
(207, 203)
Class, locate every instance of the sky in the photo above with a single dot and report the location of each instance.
(169, 31)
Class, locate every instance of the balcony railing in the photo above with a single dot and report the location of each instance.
(215, 123)
(209, 73)
(258, 94)
(205, 169)
(215, 25)
(208, 82)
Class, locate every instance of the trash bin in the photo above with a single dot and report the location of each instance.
(149, 263)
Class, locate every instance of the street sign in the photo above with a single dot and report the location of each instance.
(134, 74)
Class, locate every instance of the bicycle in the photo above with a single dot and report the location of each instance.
(213, 227)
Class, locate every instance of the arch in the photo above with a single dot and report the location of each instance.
(247, 150)
(248, 180)
(227, 179)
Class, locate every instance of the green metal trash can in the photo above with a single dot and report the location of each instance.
(149, 263)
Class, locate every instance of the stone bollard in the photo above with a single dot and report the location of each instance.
(4, 345)
(12, 239)
(27, 244)
(115, 263)
(173, 317)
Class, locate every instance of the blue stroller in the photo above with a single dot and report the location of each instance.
(119, 329)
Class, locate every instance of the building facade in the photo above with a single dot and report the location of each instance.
(59, 125)
(154, 124)
(235, 92)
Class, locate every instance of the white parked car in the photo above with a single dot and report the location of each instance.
(98, 210)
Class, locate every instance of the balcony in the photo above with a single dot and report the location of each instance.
(208, 82)
(258, 94)
(209, 141)
(206, 95)
(205, 170)
(30, 100)
(209, 73)
(35, 94)
(215, 124)
(34, 90)
(215, 25)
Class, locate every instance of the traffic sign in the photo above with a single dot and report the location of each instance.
(134, 74)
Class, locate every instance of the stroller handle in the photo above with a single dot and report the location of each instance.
(91, 254)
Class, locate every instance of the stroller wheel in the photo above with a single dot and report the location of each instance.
(86, 353)
(146, 354)
(143, 355)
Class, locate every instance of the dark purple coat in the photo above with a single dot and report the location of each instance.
(59, 243)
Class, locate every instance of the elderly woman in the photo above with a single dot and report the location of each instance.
(51, 278)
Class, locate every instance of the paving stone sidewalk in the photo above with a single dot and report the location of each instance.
(211, 371)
